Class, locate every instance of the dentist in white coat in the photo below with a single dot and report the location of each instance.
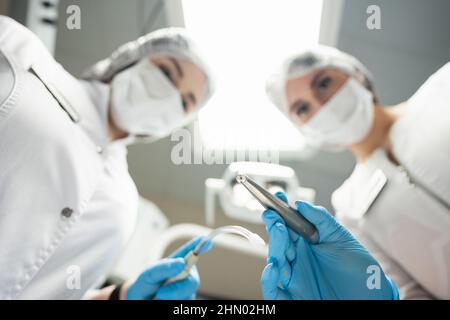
(67, 201)
(397, 200)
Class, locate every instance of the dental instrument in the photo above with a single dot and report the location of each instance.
(235, 201)
(292, 217)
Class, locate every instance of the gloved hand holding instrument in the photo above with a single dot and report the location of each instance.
(172, 278)
(319, 259)
(176, 277)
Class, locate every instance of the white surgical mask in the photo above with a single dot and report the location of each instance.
(145, 102)
(344, 120)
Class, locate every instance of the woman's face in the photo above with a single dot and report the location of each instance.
(307, 94)
(186, 77)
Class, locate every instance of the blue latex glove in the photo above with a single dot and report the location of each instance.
(149, 284)
(338, 267)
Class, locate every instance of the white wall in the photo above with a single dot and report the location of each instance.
(413, 43)
(105, 24)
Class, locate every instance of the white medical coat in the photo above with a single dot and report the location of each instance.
(67, 202)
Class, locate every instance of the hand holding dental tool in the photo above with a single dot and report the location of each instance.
(292, 217)
(149, 284)
(338, 267)
(176, 277)
(205, 244)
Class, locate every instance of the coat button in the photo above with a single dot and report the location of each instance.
(99, 150)
(66, 212)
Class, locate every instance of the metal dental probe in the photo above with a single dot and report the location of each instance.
(292, 217)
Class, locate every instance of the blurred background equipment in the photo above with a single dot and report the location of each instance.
(40, 16)
(238, 203)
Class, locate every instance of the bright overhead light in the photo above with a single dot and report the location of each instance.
(244, 41)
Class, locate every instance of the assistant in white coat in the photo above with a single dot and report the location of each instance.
(67, 203)
(397, 200)
(410, 217)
